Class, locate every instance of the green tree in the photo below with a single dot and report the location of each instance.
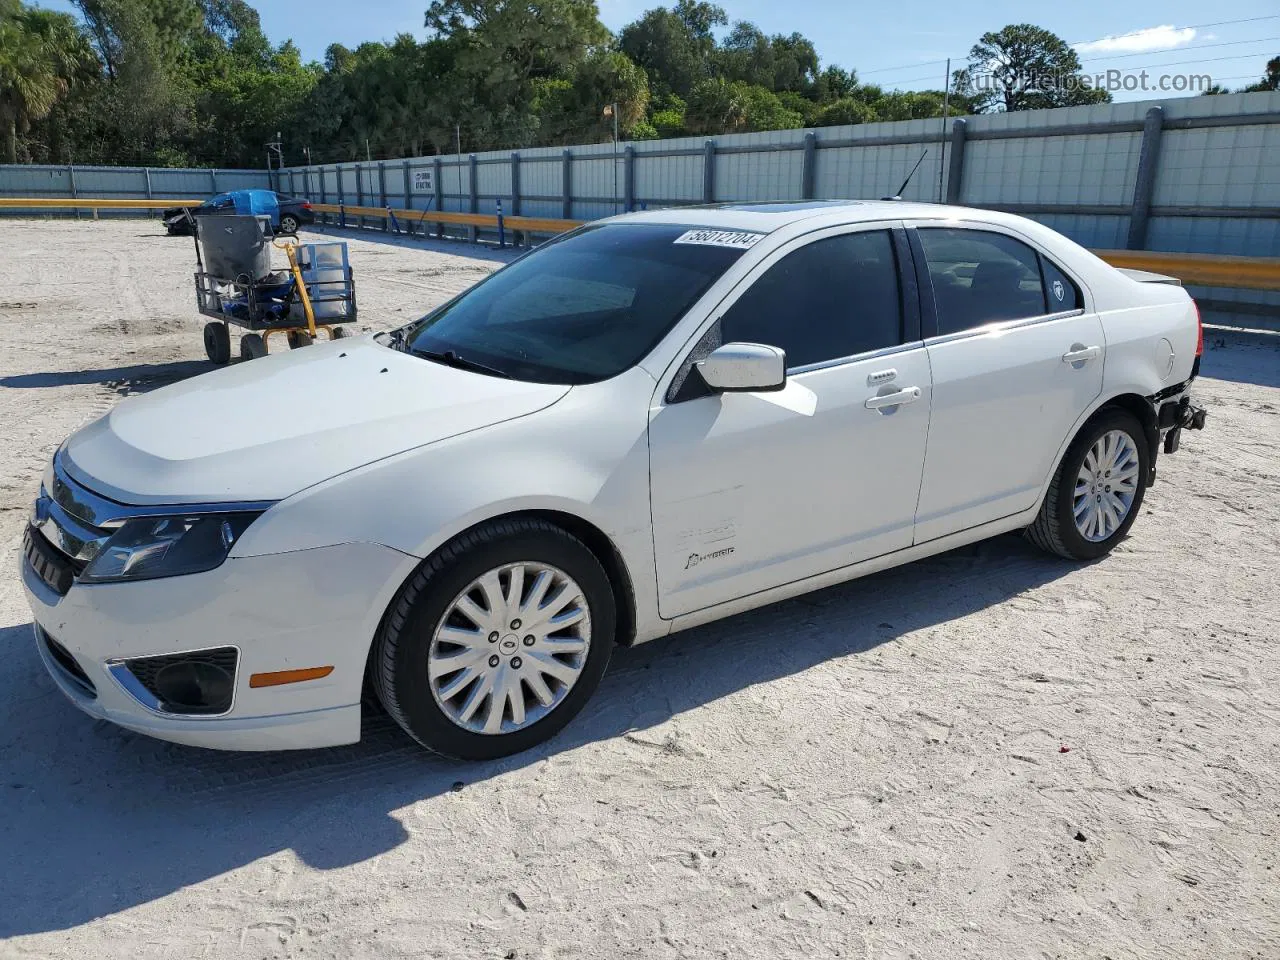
(1270, 79)
(41, 54)
(1024, 67)
(731, 106)
(500, 47)
(572, 109)
(846, 110)
(673, 46)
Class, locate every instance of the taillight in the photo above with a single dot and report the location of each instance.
(307, 205)
(1199, 329)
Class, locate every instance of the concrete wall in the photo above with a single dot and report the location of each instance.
(1194, 174)
(111, 183)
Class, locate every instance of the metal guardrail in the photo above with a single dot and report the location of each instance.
(1210, 270)
(1205, 269)
(499, 222)
(92, 203)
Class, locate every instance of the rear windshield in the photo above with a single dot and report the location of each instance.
(582, 308)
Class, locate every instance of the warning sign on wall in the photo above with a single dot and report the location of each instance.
(424, 181)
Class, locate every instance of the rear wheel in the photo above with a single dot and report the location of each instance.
(289, 224)
(217, 342)
(299, 338)
(497, 641)
(1097, 492)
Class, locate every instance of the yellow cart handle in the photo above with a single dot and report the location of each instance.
(289, 246)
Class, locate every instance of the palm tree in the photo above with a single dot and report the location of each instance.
(40, 54)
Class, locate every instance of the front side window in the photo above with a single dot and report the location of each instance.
(830, 299)
(582, 308)
(980, 277)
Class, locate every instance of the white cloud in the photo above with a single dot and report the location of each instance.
(1165, 37)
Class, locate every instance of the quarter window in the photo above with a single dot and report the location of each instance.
(980, 278)
(1061, 293)
(832, 298)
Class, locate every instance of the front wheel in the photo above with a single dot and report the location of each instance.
(1097, 492)
(497, 641)
(217, 342)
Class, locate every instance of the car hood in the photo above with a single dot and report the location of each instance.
(266, 429)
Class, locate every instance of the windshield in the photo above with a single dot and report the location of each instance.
(580, 309)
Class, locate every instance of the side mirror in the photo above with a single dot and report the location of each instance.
(744, 368)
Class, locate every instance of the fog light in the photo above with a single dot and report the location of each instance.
(198, 682)
(194, 687)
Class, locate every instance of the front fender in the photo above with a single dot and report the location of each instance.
(586, 456)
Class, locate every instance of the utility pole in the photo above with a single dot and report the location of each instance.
(457, 133)
(946, 109)
(275, 149)
(611, 110)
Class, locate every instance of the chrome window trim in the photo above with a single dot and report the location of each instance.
(1010, 231)
(1000, 326)
(118, 670)
(856, 358)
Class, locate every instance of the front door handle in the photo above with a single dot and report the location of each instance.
(909, 395)
(1081, 354)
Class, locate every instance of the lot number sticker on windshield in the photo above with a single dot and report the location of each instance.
(736, 239)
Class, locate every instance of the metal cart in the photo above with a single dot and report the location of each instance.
(235, 285)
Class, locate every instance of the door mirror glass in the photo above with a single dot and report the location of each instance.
(744, 367)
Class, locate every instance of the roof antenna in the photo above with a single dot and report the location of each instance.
(898, 195)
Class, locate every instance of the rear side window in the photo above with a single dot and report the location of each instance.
(980, 278)
(830, 299)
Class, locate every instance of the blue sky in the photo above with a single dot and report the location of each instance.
(895, 44)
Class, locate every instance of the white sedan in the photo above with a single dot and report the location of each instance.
(650, 423)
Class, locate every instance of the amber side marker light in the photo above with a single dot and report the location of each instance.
(288, 676)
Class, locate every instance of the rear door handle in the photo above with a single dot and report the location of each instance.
(909, 395)
(1082, 354)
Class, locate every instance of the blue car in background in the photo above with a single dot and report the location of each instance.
(287, 213)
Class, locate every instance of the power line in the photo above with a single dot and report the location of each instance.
(1195, 26)
(1205, 46)
(1141, 66)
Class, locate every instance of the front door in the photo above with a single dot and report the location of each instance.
(1016, 361)
(754, 490)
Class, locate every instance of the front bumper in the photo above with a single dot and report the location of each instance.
(282, 612)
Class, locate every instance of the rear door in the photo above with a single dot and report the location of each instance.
(1016, 356)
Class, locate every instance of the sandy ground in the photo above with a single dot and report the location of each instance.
(875, 770)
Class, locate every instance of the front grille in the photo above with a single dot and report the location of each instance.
(63, 658)
(50, 564)
(200, 682)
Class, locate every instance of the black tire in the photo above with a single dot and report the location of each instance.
(1055, 529)
(252, 346)
(398, 664)
(289, 225)
(339, 333)
(299, 338)
(217, 342)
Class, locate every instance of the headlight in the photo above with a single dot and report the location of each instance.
(151, 547)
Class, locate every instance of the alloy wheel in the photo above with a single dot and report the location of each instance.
(1106, 485)
(509, 648)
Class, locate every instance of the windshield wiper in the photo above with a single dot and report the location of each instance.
(451, 359)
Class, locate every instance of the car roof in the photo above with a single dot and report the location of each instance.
(767, 216)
